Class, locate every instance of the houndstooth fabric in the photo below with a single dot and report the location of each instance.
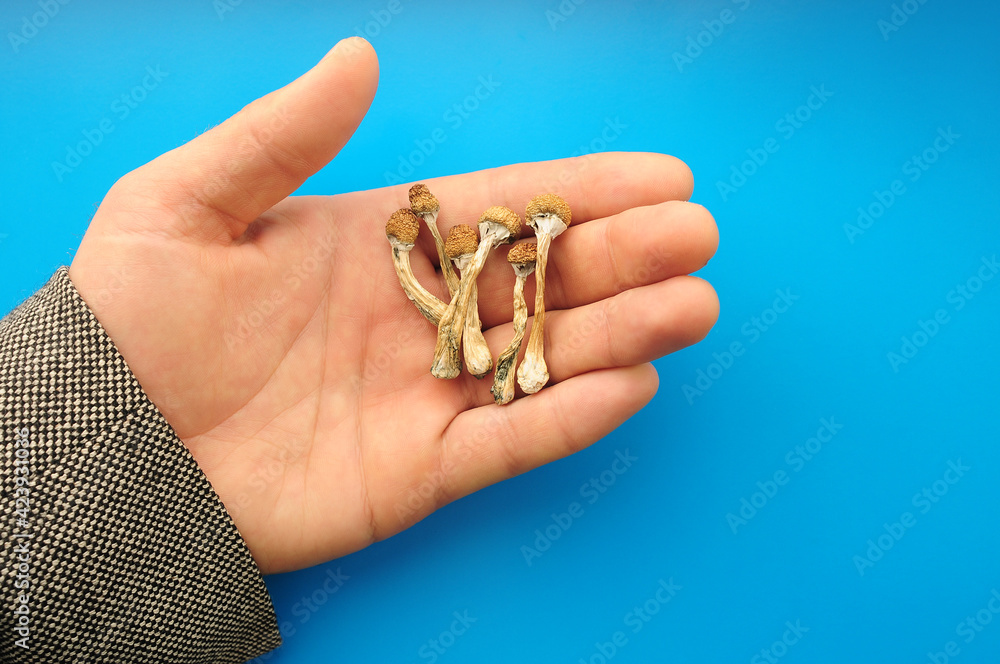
(115, 547)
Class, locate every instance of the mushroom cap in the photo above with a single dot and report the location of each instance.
(403, 225)
(523, 254)
(504, 216)
(422, 201)
(549, 204)
(462, 240)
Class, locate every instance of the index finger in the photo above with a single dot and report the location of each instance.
(594, 185)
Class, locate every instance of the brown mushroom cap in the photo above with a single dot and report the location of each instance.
(422, 201)
(523, 254)
(504, 216)
(462, 240)
(403, 225)
(549, 204)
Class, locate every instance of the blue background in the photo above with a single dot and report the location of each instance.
(697, 455)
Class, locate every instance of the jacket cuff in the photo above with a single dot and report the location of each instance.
(115, 546)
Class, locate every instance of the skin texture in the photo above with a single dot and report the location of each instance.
(274, 336)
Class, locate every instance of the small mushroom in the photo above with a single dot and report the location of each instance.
(549, 215)
(402, 230)
(461, 246)
(498, 225)
(426, 206)
(522, 258)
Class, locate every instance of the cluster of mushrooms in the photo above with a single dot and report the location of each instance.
(459, 328)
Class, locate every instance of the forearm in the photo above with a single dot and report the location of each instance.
(116, 546)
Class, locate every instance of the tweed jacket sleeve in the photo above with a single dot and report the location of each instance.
(114, 546)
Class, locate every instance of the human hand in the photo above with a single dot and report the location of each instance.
(274, 336)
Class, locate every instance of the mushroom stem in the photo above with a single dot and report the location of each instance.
(503, 379)
(533, 374)
(497, 225)
(478, 359)
(427, 304)
(430, 218)
(447, 363)
(426, 205)
(402, 230)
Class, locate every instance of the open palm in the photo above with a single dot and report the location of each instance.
(274, 336)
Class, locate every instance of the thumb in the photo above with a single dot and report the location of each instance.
(234, 172)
